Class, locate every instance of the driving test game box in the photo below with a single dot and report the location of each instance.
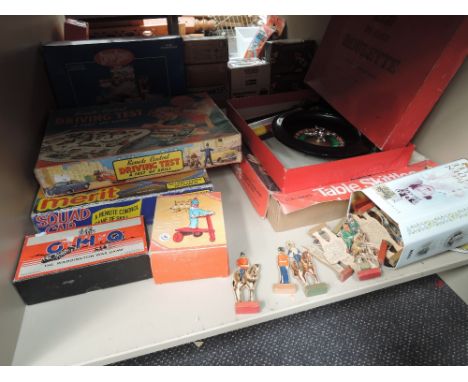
(88, 148)
(426, 213)
(119, 201)
(81, 260)
(93, 72)
(188, 240)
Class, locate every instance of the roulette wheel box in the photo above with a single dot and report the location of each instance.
(382, 74)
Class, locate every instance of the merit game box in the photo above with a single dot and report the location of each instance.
(93, 72)
(119, 201)
(188, 240)
(424, 213)
(88, 148)
(81, 260)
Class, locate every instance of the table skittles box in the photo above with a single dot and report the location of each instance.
(89, 148)
(188, 240)
(81, 260)
(119, 201)
(103, 71)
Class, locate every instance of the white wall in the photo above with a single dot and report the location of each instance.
(24, 100)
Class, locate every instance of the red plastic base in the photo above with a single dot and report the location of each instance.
(345, 274)
(369, 274)
(247, 307)
(382, 251)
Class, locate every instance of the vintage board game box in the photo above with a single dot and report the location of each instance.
(81, 260)
(85, 148)
(249, 77)
(424, 213)
(296, 209)
(93, 72)
(119, 201)
(188, 240)
(388, 71)
(205, 50)
(295, 171)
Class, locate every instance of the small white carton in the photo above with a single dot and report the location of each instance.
(429, 209)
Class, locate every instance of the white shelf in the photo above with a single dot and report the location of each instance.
(135, 319)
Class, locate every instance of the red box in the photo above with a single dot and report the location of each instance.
(426, 53)
(389, 70)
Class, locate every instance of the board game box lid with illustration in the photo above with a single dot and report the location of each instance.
(132, 141)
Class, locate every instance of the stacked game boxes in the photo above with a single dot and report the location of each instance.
(206, 66)
(104, 163)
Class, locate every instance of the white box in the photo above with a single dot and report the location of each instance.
(429, 209)
(249, 76)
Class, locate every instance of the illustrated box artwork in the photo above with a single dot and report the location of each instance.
(81, 260)
(120, 201)
(188, 240)
(94, 72)
(424, 213)
(94, 147)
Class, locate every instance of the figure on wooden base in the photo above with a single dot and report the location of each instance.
(284, 286)
(245, 277)
(306, 272)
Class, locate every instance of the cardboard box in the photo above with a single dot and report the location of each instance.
(286, 211)
(205, 50)
(133, 141)
(82, 260)
(287, 82)
(290, 177)
(388, 70)
(92, 72)
(117, 202)
(290, 56)
(428, 210)
(206, 75)
(188, 240)
(75, 30)
(209, 78)
(249, 77)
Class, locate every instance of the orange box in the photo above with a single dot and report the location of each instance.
(188, 240)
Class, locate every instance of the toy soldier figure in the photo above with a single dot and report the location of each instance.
(242, 264)
(284, 285)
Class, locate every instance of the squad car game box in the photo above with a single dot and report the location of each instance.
(188, 240)
(93, 72)
(88, 148)
(81, 260)
(120, 201)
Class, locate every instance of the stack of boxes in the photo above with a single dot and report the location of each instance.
(289, 60)
(206, 66)
(124, 151)
(249, 76)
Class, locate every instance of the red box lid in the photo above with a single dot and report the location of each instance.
(385, 73)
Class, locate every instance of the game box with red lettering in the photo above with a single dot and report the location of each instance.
(373, 81)
(67, 263)
(89, 148)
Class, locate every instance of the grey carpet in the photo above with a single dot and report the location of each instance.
(418, 323)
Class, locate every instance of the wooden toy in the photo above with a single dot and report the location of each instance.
(376, 232)
(306, 272)
(365, 257)
(284, 286)
(245, 276)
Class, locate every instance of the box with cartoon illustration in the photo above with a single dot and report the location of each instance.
(81, 260)
(417, 216)
(188, 240)
(96, 72)
(89, 148)
(116, 202)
